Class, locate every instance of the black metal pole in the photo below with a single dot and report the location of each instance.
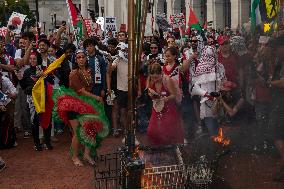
(54, 21)
(37, 13)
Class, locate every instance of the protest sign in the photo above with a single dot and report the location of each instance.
(16, 21)
(177, 20)
(110, 24)
(93, 29)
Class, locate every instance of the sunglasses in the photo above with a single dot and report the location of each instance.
(81, 57)
(194, 41)
(153, 47)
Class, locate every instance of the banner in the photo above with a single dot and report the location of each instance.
(177, 20)
(93, 29)
(110, 24)
(16, 21)
(3, 31)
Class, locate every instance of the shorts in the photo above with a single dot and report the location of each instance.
(72, 115)
(122, 98)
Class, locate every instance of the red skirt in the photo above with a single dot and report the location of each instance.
(165, 127)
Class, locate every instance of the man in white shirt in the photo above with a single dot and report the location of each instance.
(121, 65)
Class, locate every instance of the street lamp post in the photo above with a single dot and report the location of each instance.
(54, 20)
(102, 11)
(51, 16)
(37, 12)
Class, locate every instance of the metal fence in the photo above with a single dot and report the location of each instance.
(110, 172)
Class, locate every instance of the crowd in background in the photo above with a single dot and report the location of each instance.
(188, 83)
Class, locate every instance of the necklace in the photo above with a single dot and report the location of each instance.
(88, 79)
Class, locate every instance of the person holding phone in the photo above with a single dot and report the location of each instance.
(31, 75)
(165, 126)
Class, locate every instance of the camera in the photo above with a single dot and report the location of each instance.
(215, 94)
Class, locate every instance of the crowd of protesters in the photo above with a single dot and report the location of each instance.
(188, 83)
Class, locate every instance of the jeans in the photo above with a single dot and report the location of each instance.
(187, 111)
(212, 125)
(35, 131)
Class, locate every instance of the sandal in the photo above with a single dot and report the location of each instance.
(77, 162)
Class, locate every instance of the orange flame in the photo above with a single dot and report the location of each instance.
(136, 152)
(221, 139)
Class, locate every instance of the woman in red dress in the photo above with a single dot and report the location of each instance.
(165, 125)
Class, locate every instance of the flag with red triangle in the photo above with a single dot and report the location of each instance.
(75, 15)
(193, 20)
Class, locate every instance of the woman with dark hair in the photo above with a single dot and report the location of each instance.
(31, 75)
(171, 56)
(165, 125)
(52, 50)
(82, 111)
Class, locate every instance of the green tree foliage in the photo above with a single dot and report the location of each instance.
(21, 7)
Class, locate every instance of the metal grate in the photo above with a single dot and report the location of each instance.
(110, 172)
(173, 176)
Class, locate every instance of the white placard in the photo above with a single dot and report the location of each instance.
(16, 20)
(110, 24)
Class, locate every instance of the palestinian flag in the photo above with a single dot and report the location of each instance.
(269, 10)
(193, 21)
(255, 15)
(75, 15)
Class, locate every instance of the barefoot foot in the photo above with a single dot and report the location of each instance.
(77, 162)
(89, 160)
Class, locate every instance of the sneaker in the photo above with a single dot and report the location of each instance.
(2, 166)
(15, 144)
(27, 134)
(48, 146)
(38, 147)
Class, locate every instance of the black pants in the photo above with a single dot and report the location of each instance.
(35, 131)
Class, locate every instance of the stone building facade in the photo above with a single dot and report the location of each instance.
(232, 13)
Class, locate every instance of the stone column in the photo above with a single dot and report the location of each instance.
(170, 8)
(109, 7)
(84, 7)
(215, 13)
(239, 13)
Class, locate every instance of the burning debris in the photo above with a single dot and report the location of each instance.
(221, 139)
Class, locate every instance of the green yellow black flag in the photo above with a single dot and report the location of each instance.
(269, 10)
